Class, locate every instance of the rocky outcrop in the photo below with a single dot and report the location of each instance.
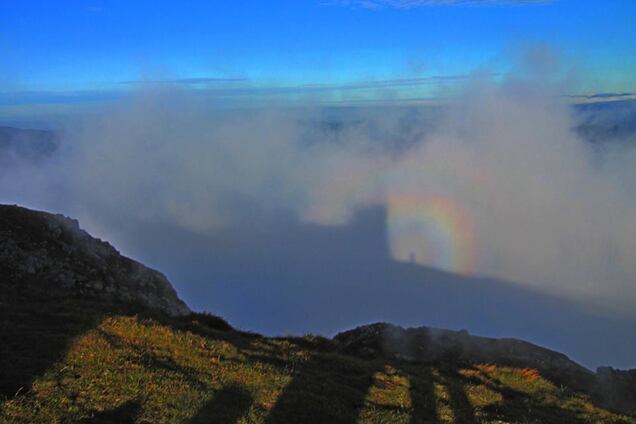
(51, 255)
(610, 388)
(433, 345)
(616, 389)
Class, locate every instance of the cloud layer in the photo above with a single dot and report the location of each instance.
(496, 184)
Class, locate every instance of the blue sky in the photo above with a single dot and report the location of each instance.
(92, 46)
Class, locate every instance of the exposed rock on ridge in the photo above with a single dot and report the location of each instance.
(425, 344)
(614, 389)
(50, 254)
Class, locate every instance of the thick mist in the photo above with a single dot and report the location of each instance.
(496, 183)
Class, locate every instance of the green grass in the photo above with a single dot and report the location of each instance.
(81, 362)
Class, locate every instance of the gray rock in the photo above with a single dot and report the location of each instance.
(38, 247)
(613, 389)
(424, 344)
(95, 285)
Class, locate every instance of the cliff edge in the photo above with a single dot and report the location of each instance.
(48, 254)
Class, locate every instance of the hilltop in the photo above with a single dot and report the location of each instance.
(52, 256)
(89, 336)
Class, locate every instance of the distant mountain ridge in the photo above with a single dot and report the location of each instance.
(607, 122)
(596, 123)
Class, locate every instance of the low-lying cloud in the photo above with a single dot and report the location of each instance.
(497, 184)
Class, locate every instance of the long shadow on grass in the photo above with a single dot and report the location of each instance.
(226, 407)
(327, 389)
(424, 409)
(36, 333)
(519, 406)
(458, 399)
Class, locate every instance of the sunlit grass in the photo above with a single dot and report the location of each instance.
(157, 372)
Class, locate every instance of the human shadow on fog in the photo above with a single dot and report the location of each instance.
(280, 276)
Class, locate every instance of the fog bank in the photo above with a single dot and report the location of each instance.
(496, 183)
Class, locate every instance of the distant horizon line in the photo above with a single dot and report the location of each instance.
(248, 95)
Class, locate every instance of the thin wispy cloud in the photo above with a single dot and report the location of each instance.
(373, 84)
(253, 86)
(35, 97)
(257, 89)
(186, 81)
(409, 4)
(604, 96)
(225, 88)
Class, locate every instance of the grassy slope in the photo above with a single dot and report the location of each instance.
(74, 362)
